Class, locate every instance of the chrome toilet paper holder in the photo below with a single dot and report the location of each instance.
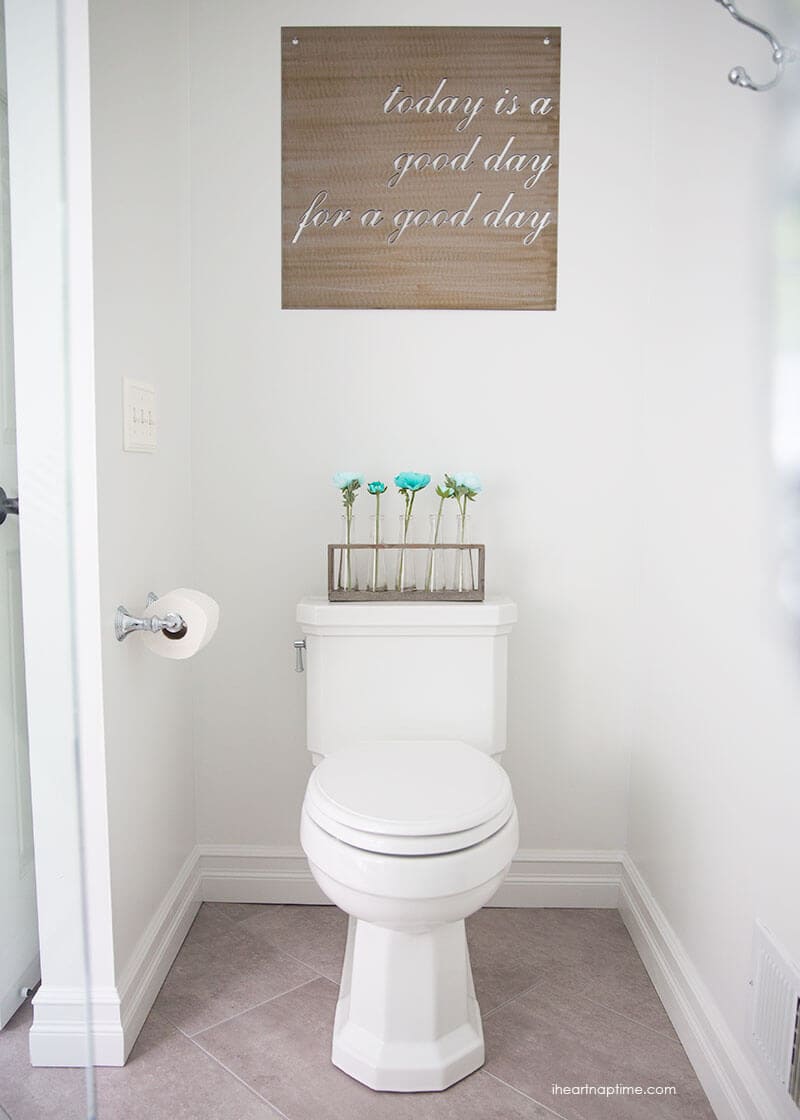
(171, 626)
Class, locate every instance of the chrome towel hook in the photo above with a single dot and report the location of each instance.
(781, 55)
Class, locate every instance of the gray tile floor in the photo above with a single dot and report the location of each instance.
(241, 1029)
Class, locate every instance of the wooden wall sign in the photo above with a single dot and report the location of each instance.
(420, 167)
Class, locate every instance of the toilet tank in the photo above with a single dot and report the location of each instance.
(379, 671)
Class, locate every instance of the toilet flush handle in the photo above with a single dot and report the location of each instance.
(299, 646)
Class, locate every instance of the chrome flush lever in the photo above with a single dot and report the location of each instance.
(299, 646)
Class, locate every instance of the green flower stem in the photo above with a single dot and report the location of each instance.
(339, 583)
(462, 540)
(401, 567)
(431, 558)
(377, 542)
(348, 574)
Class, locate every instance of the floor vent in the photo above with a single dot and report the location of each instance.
(776, 1011)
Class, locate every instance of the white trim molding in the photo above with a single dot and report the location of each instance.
(157, 948)
(254, 873)
(542, 878)
(537, 878)
(727, 1074)
(51, 233)
(570, 879)
(58, 1034)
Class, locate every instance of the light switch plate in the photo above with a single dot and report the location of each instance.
(140, 424)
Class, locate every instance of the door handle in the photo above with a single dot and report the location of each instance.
(7, 505)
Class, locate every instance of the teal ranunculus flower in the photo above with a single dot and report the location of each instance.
(349, 483)
(468, 483)
(409, 480)
(376, 487)
(343, 479)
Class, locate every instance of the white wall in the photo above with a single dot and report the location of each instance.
(622, 439)
(140, 181)
(716, 764)
(544, 412)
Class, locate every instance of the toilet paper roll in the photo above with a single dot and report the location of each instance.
(198, 611)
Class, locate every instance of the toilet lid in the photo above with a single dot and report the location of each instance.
(410, 797)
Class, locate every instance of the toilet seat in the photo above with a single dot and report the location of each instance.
(410, 798)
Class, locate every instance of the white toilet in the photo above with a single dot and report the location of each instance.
(408, 822)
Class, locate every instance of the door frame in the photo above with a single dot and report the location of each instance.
(51, 238)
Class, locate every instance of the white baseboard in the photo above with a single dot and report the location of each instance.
(571, 879)
(157, 948)
(252, 873)
(58, 1034)
(728, 1075)
(255, 873)
(249, 873)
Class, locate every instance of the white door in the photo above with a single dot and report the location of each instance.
(19, 958)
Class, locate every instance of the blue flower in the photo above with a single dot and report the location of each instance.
(343, 479)
(376, 487)
(408, 480)
(348, 482)
(468, 483)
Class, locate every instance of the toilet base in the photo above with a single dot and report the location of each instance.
(407, 1019)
